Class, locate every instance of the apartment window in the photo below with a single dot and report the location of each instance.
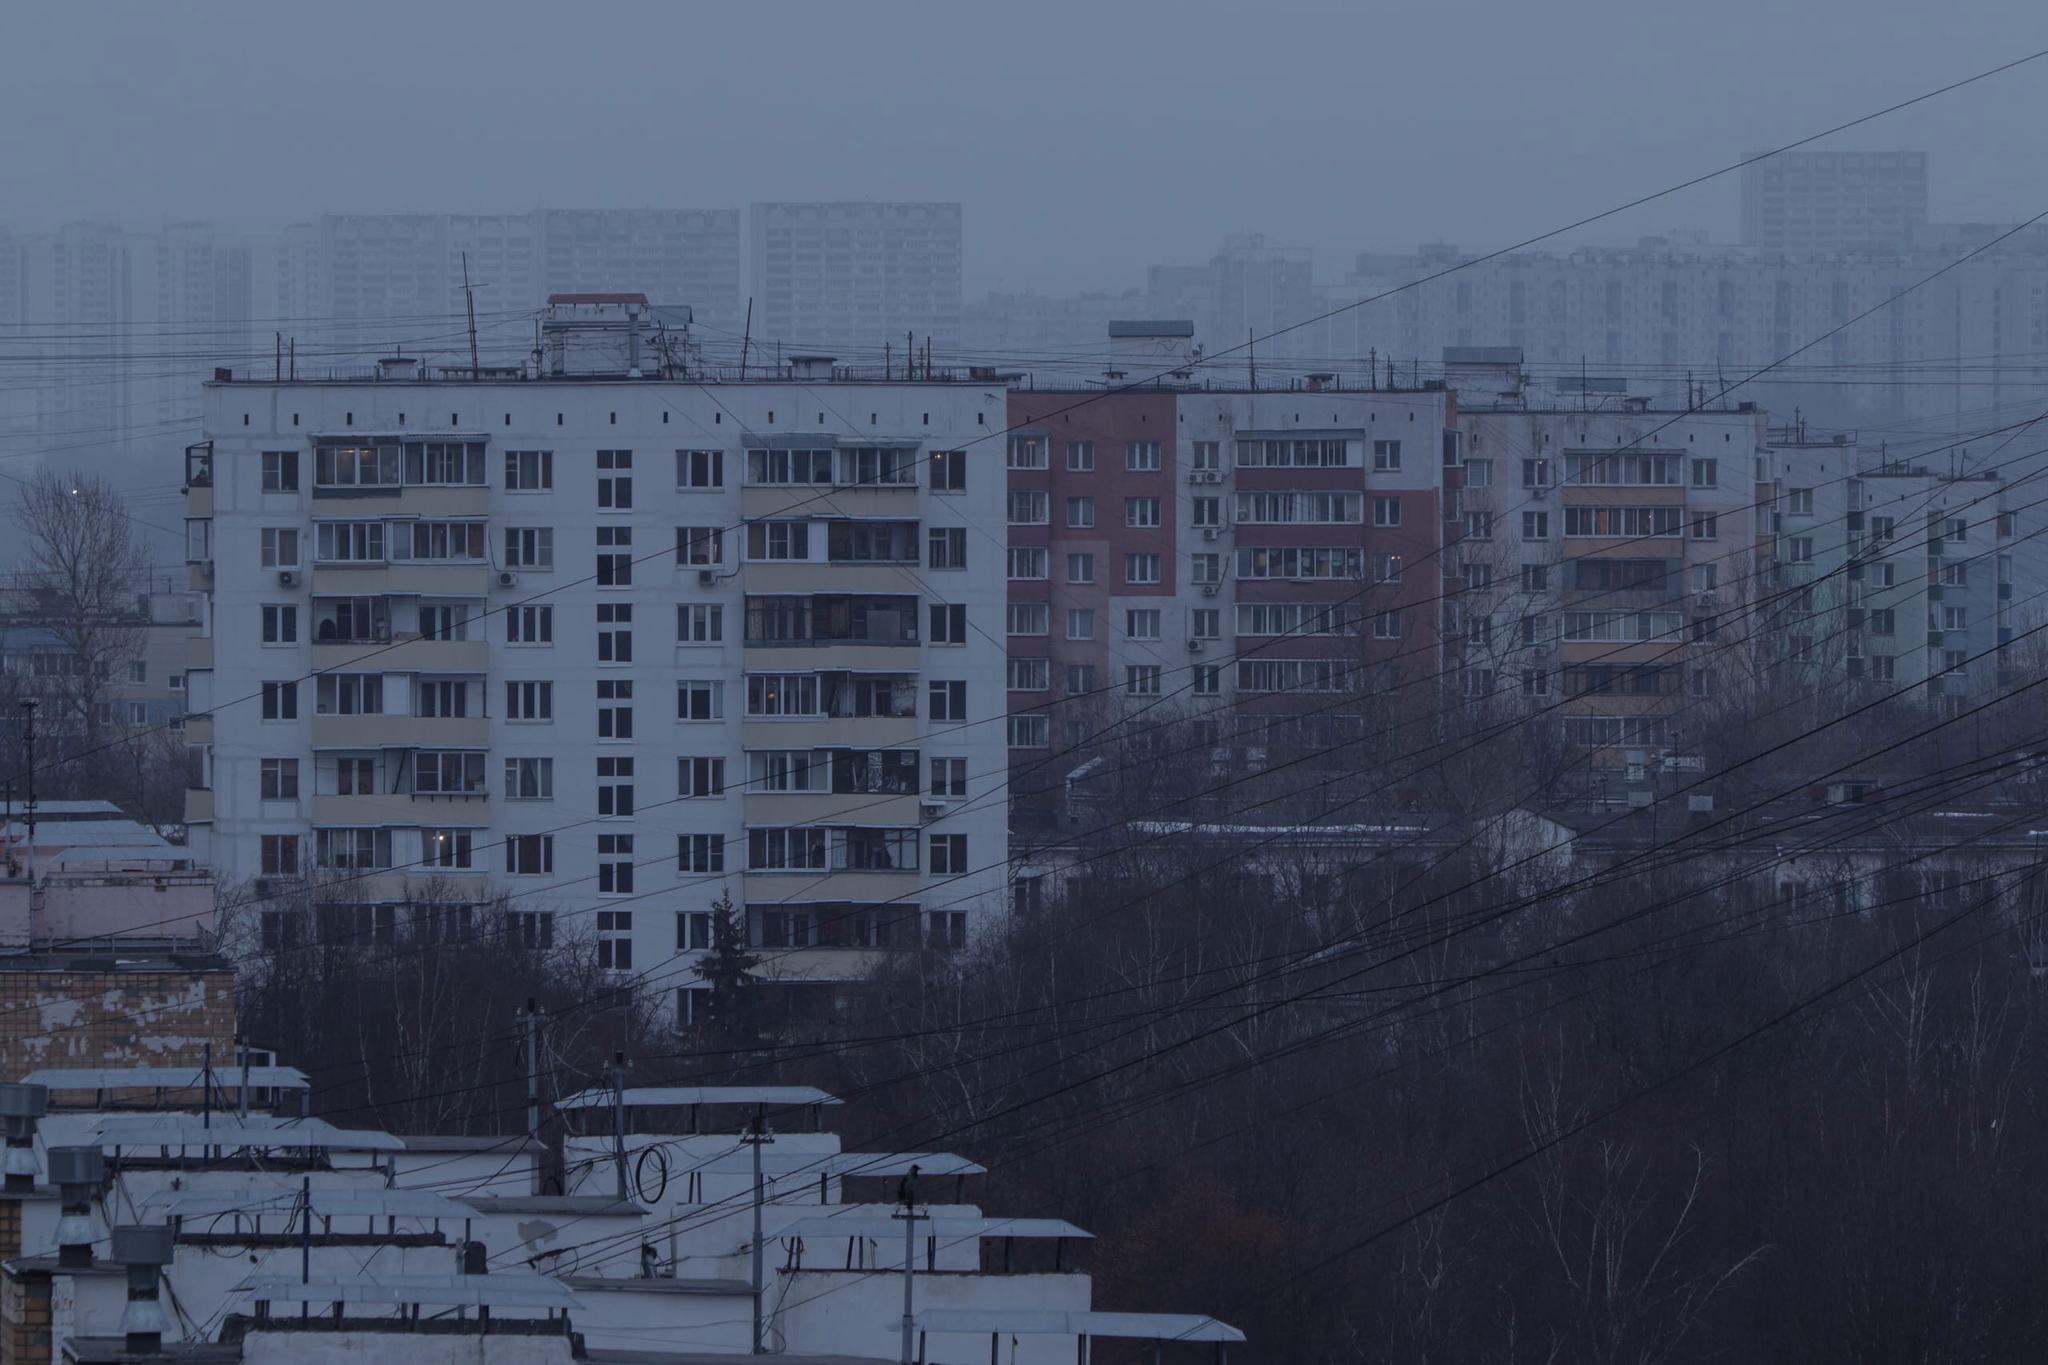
(1027, 618)
(446, 542)
(138, 671)
(699, 623)
(949, 855)
(452, 773)
(1141, 625)
(782, 694)
(614, 787)
(1205, 567)
(444, 621)
(1207, 455)
(1705, 527)
(1799, 550)
(1142, 680)
(1386, 625)
(529, 471)
(949, 471)
(1080, 679)
(529, 779)
(280, 779)
(1386, 512)
(530, 701)
(1080, 568)
(1882, 668)
(1478, 574)
(1478, 473)
(1028, 452)
(947, 547)
(615, 927)
(1141, 512)
(533, 930)
(352, 850)
(614, 481)
(1881, 621)
(614, 633)
(530, 855)
(138, 713)
(1479, 526)
(529, 625)
(1955, 618)
(529, 547)
(1080, 623)
(949, 777)
(1029, 675)
(280, 548)
(1206, 511)
(448, 849)
(1535, 577)
(703, 546)
(280, 625)
(947, 930)
(1208, 681)
(1706, 473)
(1957, 529)
(1882, 575)
(1205, 623)
(700, 469)
(1386, 456)
(1535, 525)
(789, 466)
(1882, 529)
(615, 708)
(1080, 513)
(1027, 564)
(615, 878)
(1028, 507)
(948, 701)
(1080, 457)
(949, 623)
(445, 463)
(1140, 569)
(280, 471)
(1704, 576)
(280, 855)
(1799, 502)
(1535, 683)
(1141, 457)
(614, 558)
(787, 850)
(280, 701)
(440, 697)
(1029, 732)
(700, 853)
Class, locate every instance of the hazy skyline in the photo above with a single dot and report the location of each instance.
(1085, 142)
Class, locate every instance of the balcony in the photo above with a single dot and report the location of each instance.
(410, 577)
(408, 654)
(198, 805)
(824, 808)
(198, 652)
(398, 809)
(401, 732)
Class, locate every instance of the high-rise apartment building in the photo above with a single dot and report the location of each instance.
(611, 646)
(674, 256)
(1822, 203)
(855, 278)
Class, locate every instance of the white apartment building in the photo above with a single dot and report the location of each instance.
(615, 642)
(1810, 203)
(852, 278)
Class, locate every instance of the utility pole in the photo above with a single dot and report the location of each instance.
(28, 752)
(908, 1192)
(619, 1118)
(1372, 368)
(746, 338)
(532, 1016)
(1251, 365)
(759, 1135)
(306, 1242)
(469, 297)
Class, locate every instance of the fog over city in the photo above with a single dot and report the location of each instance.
(1076, 683)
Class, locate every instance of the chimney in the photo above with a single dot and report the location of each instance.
(77, 1173)
(20, 1107)
(145, 1251)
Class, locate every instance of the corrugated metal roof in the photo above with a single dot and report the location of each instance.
(486, 1291)
(683, 1096)
(1033, 1321)
(883, 1226)
(166, 1078)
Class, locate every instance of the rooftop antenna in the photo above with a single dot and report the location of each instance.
(469, 297)
(1582, 381)
(1251, 357)
(747, 338)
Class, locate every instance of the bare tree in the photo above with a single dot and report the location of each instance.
(84, 561)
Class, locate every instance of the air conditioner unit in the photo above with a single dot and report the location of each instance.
(286, 578)
(1208, 533)
(1212, 476)
(1539, 494)
(507, 579)
(705, 578)
(1208, 590)
(1194, 646)
(1703, 599)
(1198, 476)
(931, 811)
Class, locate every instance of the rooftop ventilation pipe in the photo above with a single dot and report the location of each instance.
(145, 1250)
(77, 1173)
(20, 1107)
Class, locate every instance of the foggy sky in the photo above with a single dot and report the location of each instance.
(1086, 140)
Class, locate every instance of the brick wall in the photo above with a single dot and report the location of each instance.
(114, 1018)
(24, 1320)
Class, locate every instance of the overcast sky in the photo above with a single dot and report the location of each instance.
(1086, 140)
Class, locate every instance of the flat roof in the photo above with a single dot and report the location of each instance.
(685, 1096)
(881, 1226)
(227, 1131)
(488, 1291)
(346, 1202)
(877, 1164)
(1030, 1321)
(225, 1076)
